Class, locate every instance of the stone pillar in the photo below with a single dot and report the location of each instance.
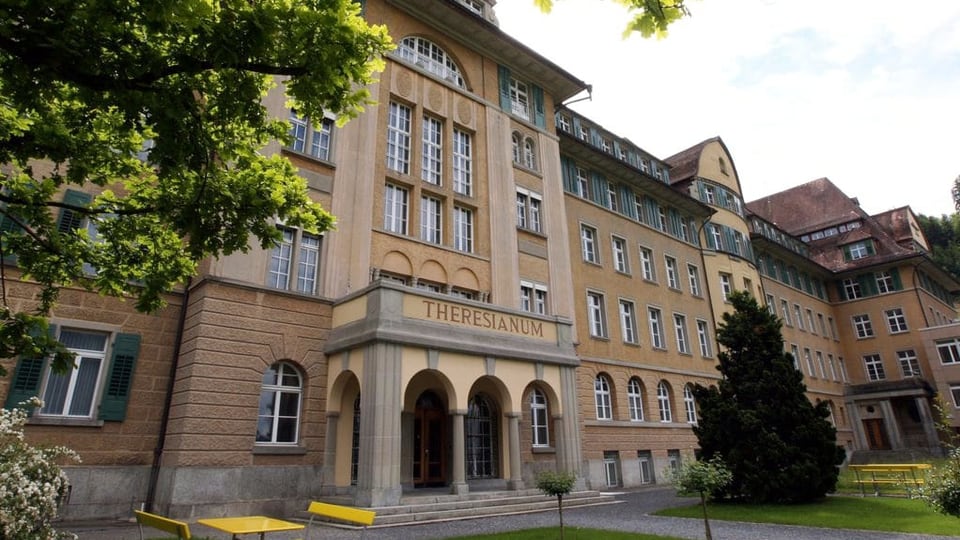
(459, 484)
(856, 422)
(406, 449)
(378, 482)
(568, 438)
(329, 485)
(516, 471)
(891, 425)
(929, 424)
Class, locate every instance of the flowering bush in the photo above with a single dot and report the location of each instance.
(32, 484)
(942, 487)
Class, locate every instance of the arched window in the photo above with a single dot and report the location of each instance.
(601, 390)
(429, 56)
(635, 399)
(663, 402)
(529, 154)
(355, 443)
(515, 141)
(539, 418)
(689, 405)
(481, 439)
(278, 419)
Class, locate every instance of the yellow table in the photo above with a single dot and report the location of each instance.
(250, 525)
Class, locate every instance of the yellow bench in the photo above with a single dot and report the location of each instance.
(356, 516)
(877, 474)
(165, 524)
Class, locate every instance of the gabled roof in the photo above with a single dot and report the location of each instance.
(897, 223)
(685, 163)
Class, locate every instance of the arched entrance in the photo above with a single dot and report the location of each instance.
(429, 441)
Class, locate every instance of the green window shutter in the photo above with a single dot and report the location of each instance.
(505, 88)
(113, 406)
(600, 194)
(69, 219)
(594, 137)
(895, 276)
(868, 284)
(576, 126)
(26, 378)
(629, 201)
(728, 241)
(674, 220)
(841, 291)
(871, 250)
(539, 110)
(566, 168)
(846, 253)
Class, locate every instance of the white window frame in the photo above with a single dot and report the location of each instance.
(663, 403)
(399, 125)
(539, 419)
(601, 394)
(726, 286)
(680, 329)
(689, 404)
(673, 277)
(588, 244)
(395, 206)
(278, 391)
(703, 335)
(319, 137)
(949, 351)
(462, 162)
(873, 367)
(520, 99)
(884, 282)
(298, 250)
(431, 151)
(81, 385)
(583, 183)
(621, 262)
(635, 399)
(628, 322)
(463, 229)
(851, 289)
(529, 154)
(646, 264)
(693, 276)
(596, 315)
(862, 326)
(896, 320)
(431, 219)
(909, 364)
(655, 318)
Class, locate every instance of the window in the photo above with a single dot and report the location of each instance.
(628, 322)
(823, 325)
(798, 316)
(896, 321)
(955, 392)
(726, 286)
(645, 460)
(656, 328)
(540, 300)
(823, 369)
(583, 133)
(529, 210)
(595, 314)
(588, 244)
(583, 184)
(519, 102)
(884, 282)
(611, 468)
(563, 123)
(680, 327)
(673, 279)
(310, 139)
(395, 209)
(620, 261)
(874, 367)
(909, 365)
(635, 399)
(673, 461)
(833, 328)
(663, 402)
(430, 219)
(295, 249)
(795, 352)
(833, 367)
(809, 359)
(704, 337)
(851, 288)
(771, 305)
(539, 419)
(693, 275)
(529, 154)
(785, 311)
(661, 218)
(858, 250)
(278, 419)
(843, 369)
(432, 150)
(72, 393)
(462, 162)
(813, 326)
(949, 351)
(646, 264)
(398, 138)
(612, 199)
(429, 56)
(689, 405)
(709, 194)
(717, 235)
(462, 229)
(516, 141)
(601, 393)
(533, 298)
(861, 323)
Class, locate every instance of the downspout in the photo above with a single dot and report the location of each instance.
(706, 277)
(916, 290)
(165, 419)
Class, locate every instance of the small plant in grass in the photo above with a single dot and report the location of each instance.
(703, 478)
(556, 484)
(942, 487)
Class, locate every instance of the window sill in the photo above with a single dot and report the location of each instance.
(311, 157)
(544, 450)
(263, 450)
(64, 421)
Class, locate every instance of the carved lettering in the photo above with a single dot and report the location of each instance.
(478, 318)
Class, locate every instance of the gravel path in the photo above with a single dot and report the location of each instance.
(631, 513)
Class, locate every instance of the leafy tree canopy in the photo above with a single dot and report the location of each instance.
(156, 107)
(943, 235)
(649, 17)
(779, 446)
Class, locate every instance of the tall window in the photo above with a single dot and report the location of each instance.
(645, 460)
(539, 419)
(583, 184)
(529, 154)
(896, 320)
(689, 405)
(588, 243)
(628, 321)
(620, 261)
(430, 219)
(810, 369)
(862, 325)
(823, 370)
(656, 328)
(481, 438)
(663, 402)
(519, 101)
(798, 316)
(909, 365)
(833, 367)
(72, 393)
(693, 275)
(726, 286)
(516, 140)
(874, 367)
(601, 393)
(395, 209)
(635, 399)
(310, 139)
(278, 418)
(717, 235)
(673, 279)
(785, 311)
(432, 150)
(462, 162)
(795, 352)
(529, 210)
(429, 56)
(949, 351)
(595, 314)
(462, 229)
(680, 327)
(398, 138)
(646, 264)
(703, 337)
(296, 249)
(771, 305)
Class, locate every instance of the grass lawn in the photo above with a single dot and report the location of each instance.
(890, 514)
(569, 533)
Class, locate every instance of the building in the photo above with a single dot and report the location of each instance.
(510, 288)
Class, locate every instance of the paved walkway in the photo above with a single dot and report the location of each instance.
(630, 513)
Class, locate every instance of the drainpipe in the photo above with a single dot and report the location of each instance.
(916, 290)
(165, 419)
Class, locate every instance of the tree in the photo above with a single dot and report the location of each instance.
(703, 478)
(156, 108)
(556, 484)
(650, 17)
(779, 447)
(941, 490)
(943, 236)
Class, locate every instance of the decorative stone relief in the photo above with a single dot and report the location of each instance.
(404, 83)
(464, 112)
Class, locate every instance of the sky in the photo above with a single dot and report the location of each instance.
(863, 92)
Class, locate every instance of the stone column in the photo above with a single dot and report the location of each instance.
(329, 486)
(459, 484)
(516, 470)
(568, 438)
(891, 425)
(378, 483)
(929, 424)
(856, 422)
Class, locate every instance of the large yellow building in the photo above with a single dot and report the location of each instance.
(510, 288)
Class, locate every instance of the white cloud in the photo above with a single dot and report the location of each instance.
(863, 92)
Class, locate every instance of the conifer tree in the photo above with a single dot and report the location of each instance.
(779, 446)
